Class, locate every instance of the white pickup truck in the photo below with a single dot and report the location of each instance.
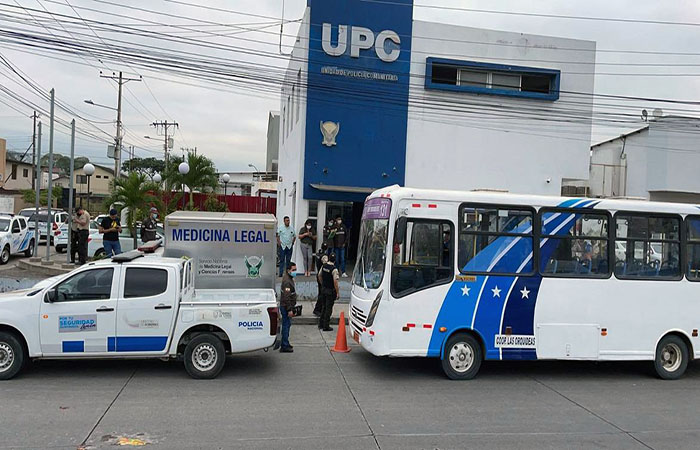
(135, 307)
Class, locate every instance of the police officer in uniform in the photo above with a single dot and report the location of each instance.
(330, 291)
(148, 226)
(287, 303)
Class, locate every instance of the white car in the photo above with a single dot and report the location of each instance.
(135, 307)
(126, 241)
(60, 242)
(58, 218)
(15, 237)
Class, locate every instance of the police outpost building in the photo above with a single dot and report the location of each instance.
(374, 98)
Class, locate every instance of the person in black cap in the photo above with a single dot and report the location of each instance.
(110, 227)
(148, 226)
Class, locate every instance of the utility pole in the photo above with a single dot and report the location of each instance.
(165, 125)
(49, 191)
(34, 117)
(118, 139)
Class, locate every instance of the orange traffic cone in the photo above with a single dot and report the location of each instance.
(341, 339)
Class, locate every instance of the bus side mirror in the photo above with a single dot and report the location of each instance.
(400, 232)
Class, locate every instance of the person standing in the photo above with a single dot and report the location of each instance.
(148, 226)
(74, 236)
(81, 221)
(328, 235)
(110, 227)
(285, 242)
(321, 258)
(330, 291)
(340, 241)
(288, 301)
(307, 240)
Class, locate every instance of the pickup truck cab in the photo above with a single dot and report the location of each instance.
(15, 237)
(135, 307)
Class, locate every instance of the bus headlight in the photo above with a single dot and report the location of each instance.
(373, 309)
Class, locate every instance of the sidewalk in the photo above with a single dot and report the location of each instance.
(307, 288)
(307, 317)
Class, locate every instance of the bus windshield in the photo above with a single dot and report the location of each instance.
(374, 233)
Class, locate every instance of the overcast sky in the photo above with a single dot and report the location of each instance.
(230, 126)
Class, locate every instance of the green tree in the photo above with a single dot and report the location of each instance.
(149, 166)
(213, 204)
(63, 162)
(201, 177)
(29, 196)
(135, 192)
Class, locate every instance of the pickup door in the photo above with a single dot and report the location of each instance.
(145, 309)
(81, 318)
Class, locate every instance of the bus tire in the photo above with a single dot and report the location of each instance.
(462, 358)
(204, 356)
(672, 357)
(11, 355)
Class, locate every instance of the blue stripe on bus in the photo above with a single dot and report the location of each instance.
(477, 300)
(73, 346)
(136, 343)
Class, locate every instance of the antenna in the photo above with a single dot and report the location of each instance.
(645, 115)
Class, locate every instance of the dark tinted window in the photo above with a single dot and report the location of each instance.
(144, 282)
(693, 248)
(444, 74)
(93, 284)
(535, 83)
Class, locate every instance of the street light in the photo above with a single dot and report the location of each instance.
(88, 169)
(157, 178)
(90, 102)
(225, 178)
(184, 169)
(256, 170)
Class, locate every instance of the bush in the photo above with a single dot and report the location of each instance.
(213, 204)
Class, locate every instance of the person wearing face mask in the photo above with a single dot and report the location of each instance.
(307, 239)
(288, 300)
(340, 241)
(328, 235)
(148, 226)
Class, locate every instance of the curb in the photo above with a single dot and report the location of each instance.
(42, 270)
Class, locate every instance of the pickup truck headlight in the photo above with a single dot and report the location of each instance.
(373, 309)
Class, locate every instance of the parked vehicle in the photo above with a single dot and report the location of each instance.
(60, 242)
(126, 241)
(134, 307)
(15, 237)
(58, 217)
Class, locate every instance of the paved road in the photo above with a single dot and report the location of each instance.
(313, 399)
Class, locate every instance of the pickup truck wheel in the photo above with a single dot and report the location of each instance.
(11, 356)
(5, 255)
(29, 252)
(205, 356)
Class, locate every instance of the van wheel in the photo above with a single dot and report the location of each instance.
(205, 356)
(11, 355)
(29, 252)
(671, 358)
(5, 255)
(462, 358)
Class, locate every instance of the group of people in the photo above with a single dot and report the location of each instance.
(335, 241)
(332, 250)
(109, 227)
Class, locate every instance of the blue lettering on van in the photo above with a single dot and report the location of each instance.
(216, 235)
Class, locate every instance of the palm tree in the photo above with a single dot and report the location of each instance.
(201, 177)
(135, 192)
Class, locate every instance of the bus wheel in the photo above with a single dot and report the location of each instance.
(462, 358)
(671, 358)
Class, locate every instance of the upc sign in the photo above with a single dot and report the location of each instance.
(361, 39)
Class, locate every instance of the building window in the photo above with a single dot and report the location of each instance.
(574, 244)
(25, 173)
(98, 176)
(81, 179)
(13, 174)
(284, 123)
(495, 240)
(492, 79)
(647, 246)
(105, 177)
(298, 92)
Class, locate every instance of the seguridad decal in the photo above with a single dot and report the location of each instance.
(77, 324)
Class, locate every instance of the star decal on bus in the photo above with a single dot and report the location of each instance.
(525, 293)
(496, 292)
(465, 290)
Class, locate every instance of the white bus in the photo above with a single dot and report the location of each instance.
(468, 276)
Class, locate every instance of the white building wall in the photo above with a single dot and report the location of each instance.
(292, 136)
(502, 143)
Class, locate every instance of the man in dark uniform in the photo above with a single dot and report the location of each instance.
(287, 302)
(340, 240)
(148, 226)
(321, 257)
(330, 291)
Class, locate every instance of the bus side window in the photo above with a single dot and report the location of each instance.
(647, 246)
(693, 248)
(424, 258)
